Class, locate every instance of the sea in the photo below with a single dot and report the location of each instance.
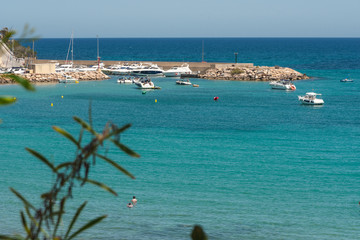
(255, 164)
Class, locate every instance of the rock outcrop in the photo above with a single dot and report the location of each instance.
(54, 77)
(258, 73)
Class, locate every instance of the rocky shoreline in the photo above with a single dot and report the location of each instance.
(256, 73)
(54, 77)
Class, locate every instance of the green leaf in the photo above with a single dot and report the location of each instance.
(5, 237)
(67, 135)
(7, 100)
(65, 164)
(125, 149)
(59, 215)
(99, 184)
(73, 221)
(23, 220)
(42, 158)
(26, 203)
(116, 165)
(118, 131)
(22, 81)
(88, 225)
(85, 125)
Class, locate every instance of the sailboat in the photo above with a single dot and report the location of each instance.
(99, 65)
(69, 65)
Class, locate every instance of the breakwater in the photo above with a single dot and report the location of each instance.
(54, 77)
(254, 73)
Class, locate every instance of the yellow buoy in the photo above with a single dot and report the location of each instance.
(62, 96)
(52, 104)
(155, 100)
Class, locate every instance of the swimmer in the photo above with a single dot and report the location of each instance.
(134, 200)
(130, 205)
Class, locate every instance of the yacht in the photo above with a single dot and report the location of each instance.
(152, 70)
(128, 80)
(177, 71)
(311, 99)
(92, 68)
(283, 85)
(183, 82)
(145, 83)
(68, 79)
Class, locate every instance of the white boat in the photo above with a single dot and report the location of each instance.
(145, 83)
(127, 80)
(68, 79)
(346, 80)
(177, 71)
(152, 70)
(92, 68)
(282, 85)
(69, 65)
(183, 82)
(311, 99)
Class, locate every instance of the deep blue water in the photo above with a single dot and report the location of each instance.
(256, 164)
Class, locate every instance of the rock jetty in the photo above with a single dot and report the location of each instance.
(54, 77)
(255, 73)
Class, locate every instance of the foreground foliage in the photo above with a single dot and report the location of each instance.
(43, 222)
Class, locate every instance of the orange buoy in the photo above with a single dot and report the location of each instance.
(216, 98)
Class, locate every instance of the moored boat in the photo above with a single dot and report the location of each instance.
(346, 80)
(310, 98)
(68, 79)
(282, 85)
(183, 82)
(177, 71)
(145, 83)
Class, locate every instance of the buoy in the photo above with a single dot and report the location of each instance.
(216, 98)
(52, 104)
(155, 100)
(14, 98)
(143, 92)
(62, 96)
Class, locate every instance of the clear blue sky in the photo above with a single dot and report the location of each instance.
(184, 18)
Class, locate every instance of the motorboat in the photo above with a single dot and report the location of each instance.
(92, 68)
(66, 68)
(17, 70)
(145, 83)
(68, 79)
(152, 70)
(346, 80)
(177, 71)
(282, 85)
(128, 80)
(311, 99)
(183, 82)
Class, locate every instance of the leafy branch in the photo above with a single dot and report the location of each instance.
(43, 222)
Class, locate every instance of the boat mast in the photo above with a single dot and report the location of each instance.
(70, 48)
(202, 53)
(98, 57)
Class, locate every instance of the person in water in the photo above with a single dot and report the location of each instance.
(130, 205)
(134, 200)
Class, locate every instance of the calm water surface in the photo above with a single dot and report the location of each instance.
(256, 164)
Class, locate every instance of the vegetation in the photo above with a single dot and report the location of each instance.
(43, 222)
(7, 37)
(236, 71)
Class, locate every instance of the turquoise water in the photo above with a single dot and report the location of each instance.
(253, 165)
(256, 164)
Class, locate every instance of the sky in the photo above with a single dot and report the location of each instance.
(184, 18)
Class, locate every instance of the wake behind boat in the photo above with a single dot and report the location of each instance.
(282, 85)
